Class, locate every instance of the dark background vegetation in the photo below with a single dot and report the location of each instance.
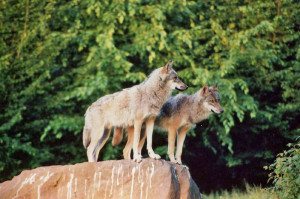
(57, 57)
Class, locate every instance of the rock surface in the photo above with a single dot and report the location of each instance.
(156, 179)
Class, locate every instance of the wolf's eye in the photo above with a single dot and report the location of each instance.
(175, 78)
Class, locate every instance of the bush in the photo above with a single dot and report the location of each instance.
(285, 175)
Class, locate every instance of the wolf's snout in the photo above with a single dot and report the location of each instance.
(182, 88)
(218, 111)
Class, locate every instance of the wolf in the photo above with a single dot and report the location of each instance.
(177, 116)
(130, 108)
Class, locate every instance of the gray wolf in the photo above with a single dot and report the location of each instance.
(129, 108)
(177, 116)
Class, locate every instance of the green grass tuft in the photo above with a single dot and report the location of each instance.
(250, 193)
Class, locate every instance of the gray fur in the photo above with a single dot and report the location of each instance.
(134, 105)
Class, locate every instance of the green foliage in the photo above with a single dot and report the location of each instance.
(57, 57)
(249, 193)
(285, 172)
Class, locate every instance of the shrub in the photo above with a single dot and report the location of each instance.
(285, 172)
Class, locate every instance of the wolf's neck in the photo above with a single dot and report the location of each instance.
(159, 91)
(198, 112)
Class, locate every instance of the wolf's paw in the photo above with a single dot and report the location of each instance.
(126, 155)
(178, 161)
(173, 160)
(127, 158)
(154, 156)
(137, 158)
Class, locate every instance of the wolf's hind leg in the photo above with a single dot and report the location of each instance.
(128, 146)
(96, 134)
(117, 136)
(149, 132)
(180, 140)
(101, 142)
(171, 144)
(89, 151)
(97, 142)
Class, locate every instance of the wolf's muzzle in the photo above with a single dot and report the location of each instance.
(221, 111)
(182, 88)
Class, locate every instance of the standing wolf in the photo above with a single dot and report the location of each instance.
(130, 108)
(177, 116)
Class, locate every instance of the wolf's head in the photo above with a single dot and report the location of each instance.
(211, 98)
(170, 77)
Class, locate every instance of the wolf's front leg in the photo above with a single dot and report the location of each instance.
(149, 132)
(180, 140)
(136, 139)
(171, 144)
(142, 140)
(128, 146)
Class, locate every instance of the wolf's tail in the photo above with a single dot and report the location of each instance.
(86, 137)
(118, 136)
(86, 134)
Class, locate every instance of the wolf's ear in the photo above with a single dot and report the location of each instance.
(168, 66)
(204, 91)
(213, 88)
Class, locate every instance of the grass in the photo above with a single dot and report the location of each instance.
(249, 193)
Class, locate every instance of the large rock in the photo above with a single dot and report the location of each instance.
(107, 179)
